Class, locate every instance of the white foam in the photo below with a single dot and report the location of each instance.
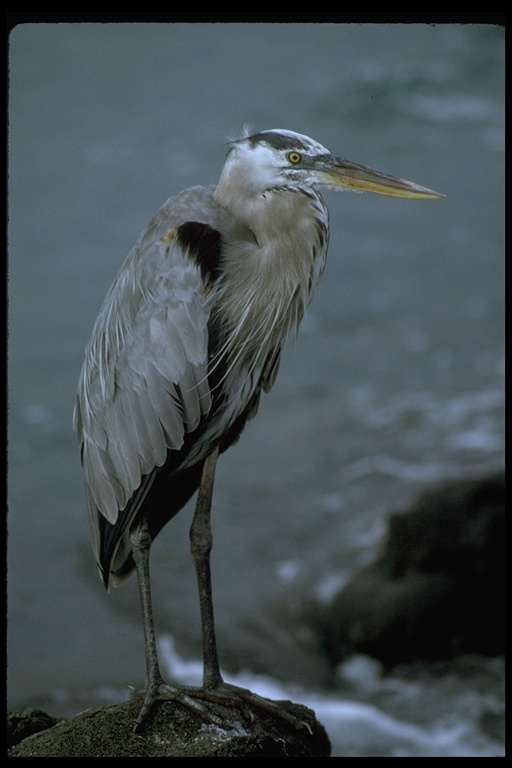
(355, 728)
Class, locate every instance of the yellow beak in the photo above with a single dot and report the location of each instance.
(343, 173)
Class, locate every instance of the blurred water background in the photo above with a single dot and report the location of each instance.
(396, 381)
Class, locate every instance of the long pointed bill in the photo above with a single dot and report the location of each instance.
(343, 173)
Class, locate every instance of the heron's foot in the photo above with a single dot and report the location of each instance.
(159, 690)
(232, 696)
(224, 695)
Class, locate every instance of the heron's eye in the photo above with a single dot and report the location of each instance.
(294, 158)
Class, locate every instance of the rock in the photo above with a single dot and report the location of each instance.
(174, 730)
(20, 725)
(437, 589)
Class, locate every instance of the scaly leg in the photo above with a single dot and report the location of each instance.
(200, 546)
(140, 539)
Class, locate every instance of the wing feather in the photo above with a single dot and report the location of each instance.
(144, 380)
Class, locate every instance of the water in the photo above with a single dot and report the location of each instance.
(396, 381)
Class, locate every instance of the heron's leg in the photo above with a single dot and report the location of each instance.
(140, 539)
(201, 545)
(214, 688)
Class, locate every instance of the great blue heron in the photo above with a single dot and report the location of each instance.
(190, 333)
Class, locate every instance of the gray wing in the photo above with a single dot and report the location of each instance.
(144, 381)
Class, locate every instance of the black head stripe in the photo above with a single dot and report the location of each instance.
(278, 140)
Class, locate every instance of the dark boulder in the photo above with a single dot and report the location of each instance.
(437, 588)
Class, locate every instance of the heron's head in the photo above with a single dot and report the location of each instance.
(279, 158)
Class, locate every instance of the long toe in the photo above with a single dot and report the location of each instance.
(151, 694)
(244, 700)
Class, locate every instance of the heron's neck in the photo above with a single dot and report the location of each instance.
(273, 275)
(274, 216)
